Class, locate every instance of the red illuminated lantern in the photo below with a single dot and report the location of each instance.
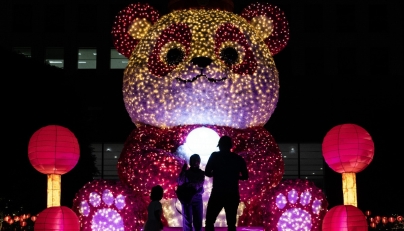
(392, 219)
(378, 218)
(344, 217)
(384, 220)
(367, 213)
(399, 218)
(348, 148)
(11, 221)
(23, 223)
(7, 218)
(59, 218)
(53, 149)
(372, 225)
(33, 218)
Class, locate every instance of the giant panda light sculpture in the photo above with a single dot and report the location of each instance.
(195, 74)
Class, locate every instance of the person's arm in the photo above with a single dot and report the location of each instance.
(243, 170)
(158, 218)
(157, 215)
(182, 178)
(209, 166)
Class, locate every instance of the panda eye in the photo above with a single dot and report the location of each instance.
(174, 56)
(229, 55)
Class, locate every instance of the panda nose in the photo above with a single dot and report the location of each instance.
(202, 62)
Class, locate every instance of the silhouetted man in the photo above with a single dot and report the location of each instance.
(226, 168)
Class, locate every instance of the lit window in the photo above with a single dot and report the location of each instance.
(55, 57)
(87, 58)
(118, 61)
(23, 50)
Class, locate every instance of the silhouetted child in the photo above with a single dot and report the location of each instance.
(154, 210)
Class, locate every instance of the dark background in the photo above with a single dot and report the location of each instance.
(343, 64)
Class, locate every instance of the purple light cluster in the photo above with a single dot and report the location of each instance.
(294, 205)
(109, 205)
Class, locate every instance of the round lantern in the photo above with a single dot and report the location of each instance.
(59, 218)
(7, 218)
(392, 219)
(399, 218)
(372, 225)
(384, 220)
(345, 217)
(348, 148)
(53, 149)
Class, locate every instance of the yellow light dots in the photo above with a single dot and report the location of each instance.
(234, 84)
(263, 25)
(139, 28)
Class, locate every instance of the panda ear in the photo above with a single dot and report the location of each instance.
(270, 22)
(131, 25)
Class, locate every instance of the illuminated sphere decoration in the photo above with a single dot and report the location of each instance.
(348, 148)
(108, 205)
(59, 218)
(345, 217)
(53, 149)
(294, 205)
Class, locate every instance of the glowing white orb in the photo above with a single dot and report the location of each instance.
(202, 141)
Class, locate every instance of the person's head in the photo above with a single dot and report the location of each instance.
(156, 193)
(225, 143)
(195, 161)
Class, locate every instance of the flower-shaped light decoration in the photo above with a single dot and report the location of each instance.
(109, 205)
(294, 205)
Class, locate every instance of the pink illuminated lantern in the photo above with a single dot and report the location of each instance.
(348, 149)
(59, 218)
(344, 217)
(53, 150)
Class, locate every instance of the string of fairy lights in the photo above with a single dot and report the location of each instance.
(159, 91)
(193, 69)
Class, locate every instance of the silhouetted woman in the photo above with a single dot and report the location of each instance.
(192, 212)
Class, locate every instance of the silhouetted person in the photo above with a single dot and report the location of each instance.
(154, 210)
(192, 213)
(226, 168)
